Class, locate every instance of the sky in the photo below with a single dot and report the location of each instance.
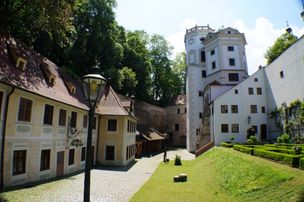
(262, 21)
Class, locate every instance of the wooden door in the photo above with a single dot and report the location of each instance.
(60, 163)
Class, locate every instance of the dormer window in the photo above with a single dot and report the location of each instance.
(18, 58)
(70, 86)
(50, 77)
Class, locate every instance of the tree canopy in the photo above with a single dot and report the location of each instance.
(279, 46)
(79, 34)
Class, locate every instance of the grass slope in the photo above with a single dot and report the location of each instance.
(223, 174)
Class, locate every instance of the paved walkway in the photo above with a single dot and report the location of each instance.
(118, 184)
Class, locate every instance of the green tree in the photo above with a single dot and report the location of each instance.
(179, 68)
(137, 58)
(127, 81)
(280, 45)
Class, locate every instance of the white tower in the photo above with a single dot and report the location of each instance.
(212, 57)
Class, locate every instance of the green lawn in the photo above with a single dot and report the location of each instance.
(223, 174)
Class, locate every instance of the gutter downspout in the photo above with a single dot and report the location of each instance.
(97, 145)
(3, 134)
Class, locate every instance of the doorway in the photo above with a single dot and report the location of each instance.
(263, 131)
(60, 163)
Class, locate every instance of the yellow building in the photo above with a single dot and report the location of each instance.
(43, 114)
(116, 141)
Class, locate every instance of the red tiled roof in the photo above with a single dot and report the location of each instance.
(32, 79)
(110, 104)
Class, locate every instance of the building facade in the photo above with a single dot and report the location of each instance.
(44, 120)
(233, 104)
(216, 61)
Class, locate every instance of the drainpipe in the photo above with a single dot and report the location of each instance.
(3, 134)
(97, 145)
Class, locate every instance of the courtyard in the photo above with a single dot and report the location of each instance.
(107, 183)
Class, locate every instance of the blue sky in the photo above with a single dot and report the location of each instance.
(262, 21)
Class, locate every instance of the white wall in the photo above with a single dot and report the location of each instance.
(243, 100)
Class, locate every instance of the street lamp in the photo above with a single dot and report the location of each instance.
(93, 86)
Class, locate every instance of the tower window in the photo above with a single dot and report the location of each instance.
(212, 52)
(203, 56)
(213, 65)
(233, 76)
(204, 74)
(230, 48)
(281, 74)
(236, 91)
(231, 62)
(256, 80)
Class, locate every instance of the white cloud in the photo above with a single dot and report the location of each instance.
(259, 38)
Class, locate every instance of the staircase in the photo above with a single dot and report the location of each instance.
(204, 149)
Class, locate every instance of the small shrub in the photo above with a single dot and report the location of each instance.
(177, 160)
(301, 163)
(284, 138)
(245, 149)
(250, 132)
(232, 138)
(252, 140)
(226, 144)
(297, 150)
(292, 160)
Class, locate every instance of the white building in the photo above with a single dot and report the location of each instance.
(230, 107)
(216, 61)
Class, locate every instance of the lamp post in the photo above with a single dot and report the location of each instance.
(93, 86)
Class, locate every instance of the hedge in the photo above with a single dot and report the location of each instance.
(292, 160)
(301, 163)
(245, 149)
(226, 144)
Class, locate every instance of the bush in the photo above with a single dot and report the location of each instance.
(297, 150)
(301, 163)
(284, 138)
(177, 160)
(226, 144)
(252, 140)
(290, 159)
(250, 132)
(245, 149)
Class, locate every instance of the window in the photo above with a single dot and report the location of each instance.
(212, 52)
(85, 121)
(263, 109)
(224, 109)
(259, 91)
(236, 91)
(131, 126)
(203, 56)
(110, 153)
(112, 124)
(213, 65)
(234, 128)
(230, 48)
(185, 110)
(45, 159)
(253, 109)
(1, 98)
(234, 109)
(200, 115)
(19, 162)
(62, 117)
(233, 76)
(250, 91)
(231, 62)
(94, 123)
(224, 128)
(25, 109)
(83, 154)
(204, 74)
(48, 114)
(281, 74)
(199, 93)
(176, 127)
(73, 119)
(178, 110)
(256, 80)
(71, 156)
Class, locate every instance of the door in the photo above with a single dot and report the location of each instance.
(60, 163)
(263, 131)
